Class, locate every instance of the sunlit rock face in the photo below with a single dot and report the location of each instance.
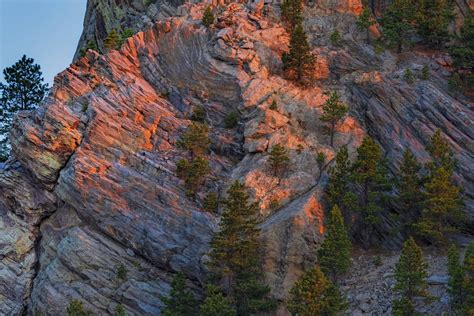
(92, 186)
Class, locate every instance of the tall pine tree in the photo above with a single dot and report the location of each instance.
(333, 113)
(456, 288)
(236, 253)
(291, 12)
(216, 304)
(299, 62)
(463, 52)
(409, 187)
(433, 19)
(339, 180)
(398, 22)
(468, 283)
(410, 275)
(440, 152)
(370, 175)
(365, 21)
(23, 90)
(334, 256)
(313, 294)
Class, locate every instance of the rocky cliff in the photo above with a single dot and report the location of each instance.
(91, 187)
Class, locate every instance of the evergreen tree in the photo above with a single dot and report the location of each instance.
(335, 38)
(279, 159)
(425, 72)
(410, 273)
(338, 185)
(403, 307)
(443, 209)
(195, 139)
(433, 19)
(299, 62)
(468, 284)
(236, 250)
(216, 304)
(208, 17)
(333, 113)
(335, 253)
(76, 308)
(456, 289)
(291, 12)
(181, 301)
(409, 187)
(90, 45)
(196, 174)
(398, 22)
(440, 152)
(369, 174)
(126, 33)
(365, 21)
(119, 310)
(112, 40)
(313, 294)
(23, 90)
(463, 52)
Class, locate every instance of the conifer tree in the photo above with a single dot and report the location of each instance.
(291, 12)
(409, 187)
(196, 173)
(456, 289)
(398, 22)
(365, 21)
(410, 273)
(279, 159)
(313, 294)
(333, 113)
(370, 175)
(468, 284)
(76, 308)
(463, 52)
(299, 62)
(112, 40)
(335, 253)
(338, 185)
(119, 310)
(440, 152)
(443, 209)
(216, 304)
(195, 139)
(236, 250)
(433, 19)
(181, 301)
(208, 17)
(23, 90)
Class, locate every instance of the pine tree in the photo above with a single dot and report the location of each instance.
(398, 22)
(23, 90)
(216, 304)
(196, 174)
(410, 272)
(443, 209)
(313, 294)
(181, 301)
(279, 160)
(456, 289)
(409, 188)
(236, 250)
(440, 152)
(195, 139)
(119, 310)
(468, 284)
(126, 33)
(370, 175)
(403, 307)
(335, 253)
(433, 19)
(463, 52)
(339, 179)
(208, 17)
(76, 308)
(112, 40)
(299, 62)
(365, 21)
(291, 12)
(333, 113)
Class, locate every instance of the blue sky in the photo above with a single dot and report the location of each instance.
(46, 30)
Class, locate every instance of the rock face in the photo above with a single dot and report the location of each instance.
(92, 190)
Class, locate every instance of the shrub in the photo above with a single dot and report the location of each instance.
(455, 83)
(425, 72)
(76, 308)
(273, 106)
(122, 272)
(119, 310)
(231, 120)
(378, 260)
(208, 17)
(199, 114)
(335, 38)
(112, 41)
(408, 76)
(211, 202)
